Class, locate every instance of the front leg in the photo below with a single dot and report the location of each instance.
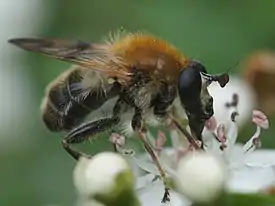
(137, 122)
(137, 125)
(163, 100)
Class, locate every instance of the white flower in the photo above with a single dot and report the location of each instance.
(103, 178)
(233, 107)
(247, 99)
(151, 192)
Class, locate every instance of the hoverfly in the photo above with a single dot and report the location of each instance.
(149, 77)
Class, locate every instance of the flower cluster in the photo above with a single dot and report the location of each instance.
(195, 176)
(220, 140)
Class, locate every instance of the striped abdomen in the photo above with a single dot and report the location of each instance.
(73, 96)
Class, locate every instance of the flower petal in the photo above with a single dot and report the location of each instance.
(232, 134)
(145, 165)
(153, 193)
(236, 157)
(144, 181)
(250, 179)
(246, 101)
(261, 158)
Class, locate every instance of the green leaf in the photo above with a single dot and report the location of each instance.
(237, 199)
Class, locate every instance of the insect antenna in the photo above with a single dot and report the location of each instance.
(230, 69)
(222, 79)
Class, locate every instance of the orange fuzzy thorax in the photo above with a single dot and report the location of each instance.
(149, 53)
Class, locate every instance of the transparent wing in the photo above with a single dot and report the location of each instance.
(97, 57)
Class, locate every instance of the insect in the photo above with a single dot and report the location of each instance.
(149, 77)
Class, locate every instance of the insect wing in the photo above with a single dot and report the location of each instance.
(93, 56)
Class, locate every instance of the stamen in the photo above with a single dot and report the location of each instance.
(260, 119)
(221, 133)
(117, 139)
(211, 124)
(233, 116)
(160, 141)
(257, 142)
(234, 102)
(250, 145)
(223, 147)
(221, 136)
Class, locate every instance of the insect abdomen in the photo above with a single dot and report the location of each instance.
(70, 99)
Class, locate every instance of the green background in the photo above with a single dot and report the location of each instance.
(219, 33)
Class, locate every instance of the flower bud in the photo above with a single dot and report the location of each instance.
(106, 178)
(201, 177)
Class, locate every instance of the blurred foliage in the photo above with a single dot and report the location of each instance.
(219, 33)
(242, 200)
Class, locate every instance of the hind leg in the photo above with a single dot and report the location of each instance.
(86, 131)
(90, 129)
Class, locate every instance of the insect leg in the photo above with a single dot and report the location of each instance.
(86, 131)
(163, 100)
(89, 129)
(189, 137)
(137, 126)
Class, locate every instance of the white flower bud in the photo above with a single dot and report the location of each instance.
(97, 176)
(201, 177)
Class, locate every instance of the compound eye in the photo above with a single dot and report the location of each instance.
(189, 85)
